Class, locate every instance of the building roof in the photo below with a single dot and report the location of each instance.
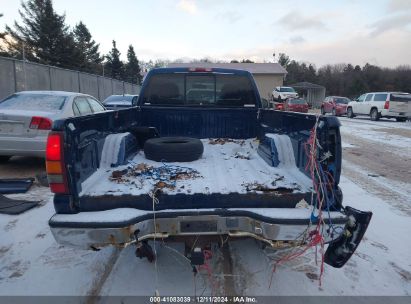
(253, 68)
(306, 85)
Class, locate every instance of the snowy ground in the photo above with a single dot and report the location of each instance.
(376, 176)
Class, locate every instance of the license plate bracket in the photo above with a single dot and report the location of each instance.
(198, 226)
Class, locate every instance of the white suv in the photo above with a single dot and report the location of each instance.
(381, 104)
(282, 93)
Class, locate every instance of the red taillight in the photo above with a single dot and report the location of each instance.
(40, 123)
(387, 105)
(200, 70)
(53, 148)
(55, 168)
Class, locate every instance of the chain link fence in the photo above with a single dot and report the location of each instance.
(17, 75)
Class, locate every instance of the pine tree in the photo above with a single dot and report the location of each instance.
(88, 49)
(132, 69)
(45, 36)
(284, 60)
(2, 34)
(114, 66)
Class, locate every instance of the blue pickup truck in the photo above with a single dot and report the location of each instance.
(200, 161)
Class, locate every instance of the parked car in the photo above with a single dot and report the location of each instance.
(27, 117)
(117, 102)
(282, 93)
(336, 105)
(296, 105)
(205, 195)
(279, 106)
(381, 104)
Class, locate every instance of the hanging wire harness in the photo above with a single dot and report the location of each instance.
(322, 199)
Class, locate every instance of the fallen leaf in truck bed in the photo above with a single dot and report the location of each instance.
(118, 174)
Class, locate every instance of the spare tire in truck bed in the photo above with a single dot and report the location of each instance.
(173, 149)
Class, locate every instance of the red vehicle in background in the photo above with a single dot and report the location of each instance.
(296, 105)
(279, 106)
(336, 105)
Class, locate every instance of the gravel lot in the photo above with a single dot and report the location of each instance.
(376, 176)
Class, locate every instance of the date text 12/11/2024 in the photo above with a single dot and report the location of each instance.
(203, 299)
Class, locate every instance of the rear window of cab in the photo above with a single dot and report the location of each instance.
(189, 89)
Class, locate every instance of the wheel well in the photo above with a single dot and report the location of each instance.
(373, 109)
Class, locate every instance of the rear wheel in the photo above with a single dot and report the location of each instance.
(374, 115)
(350, 113)
(401, 119)
(322, 111)
(279, 99)
(4, 158)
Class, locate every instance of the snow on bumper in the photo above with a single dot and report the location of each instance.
(119, 226)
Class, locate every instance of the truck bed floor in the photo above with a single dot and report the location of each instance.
(227, 166)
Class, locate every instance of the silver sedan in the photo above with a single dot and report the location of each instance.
(27, 117)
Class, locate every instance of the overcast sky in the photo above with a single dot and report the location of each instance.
(314, 31)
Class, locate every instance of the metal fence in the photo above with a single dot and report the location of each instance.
(17, 75)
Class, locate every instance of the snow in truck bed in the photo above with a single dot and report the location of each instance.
(226, 166)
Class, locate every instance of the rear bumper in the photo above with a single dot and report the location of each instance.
(119, 226)
(20, 146)
(389, 114)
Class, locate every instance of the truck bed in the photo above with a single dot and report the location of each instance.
(108, 193)
(227, 166)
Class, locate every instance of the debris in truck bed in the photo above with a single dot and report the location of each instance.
(242, 155)
(274, 182)
(142, 167)
(164, 176)
(222, 141)
(118, 174)
(217, 171)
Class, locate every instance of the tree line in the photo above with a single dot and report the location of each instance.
(346, 79)
(342, 79)
(44, 37)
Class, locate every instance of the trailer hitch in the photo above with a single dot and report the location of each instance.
(341, 250)
(144, 250)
